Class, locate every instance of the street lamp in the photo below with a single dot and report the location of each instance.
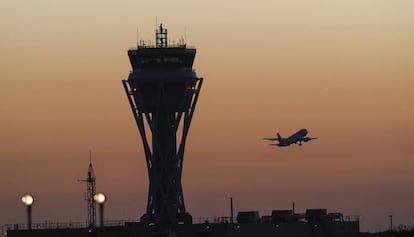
(100, 198)
(28, 201)
(390, 216)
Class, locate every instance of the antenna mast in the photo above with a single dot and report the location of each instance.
(90, 192)
(161, 37)
(137, 37)
(185, 35)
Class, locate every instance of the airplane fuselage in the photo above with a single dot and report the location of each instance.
(297, 137)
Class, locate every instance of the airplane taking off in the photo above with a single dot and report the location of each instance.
(299, 136)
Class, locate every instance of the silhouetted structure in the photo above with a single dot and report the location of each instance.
(281, 223)
(162, 90)
(90, 192)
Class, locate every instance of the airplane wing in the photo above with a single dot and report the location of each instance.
(271, 139)
(306, 139)
(279, 145)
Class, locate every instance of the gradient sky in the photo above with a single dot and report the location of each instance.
(343, 69)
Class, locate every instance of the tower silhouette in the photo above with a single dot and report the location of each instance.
(162, 90)
(90, 192)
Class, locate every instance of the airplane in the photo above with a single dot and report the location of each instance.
(299, 136)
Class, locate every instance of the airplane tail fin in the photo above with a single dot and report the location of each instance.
(279, 137)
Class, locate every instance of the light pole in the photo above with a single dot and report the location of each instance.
(100, 198)
(28, 201)
(390, 216)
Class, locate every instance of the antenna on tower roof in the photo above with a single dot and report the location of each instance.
(185, 35)
(137, 37)
(161, 40)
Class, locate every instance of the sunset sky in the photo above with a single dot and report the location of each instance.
(343, 69)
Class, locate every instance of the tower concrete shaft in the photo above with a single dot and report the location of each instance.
(162, 90)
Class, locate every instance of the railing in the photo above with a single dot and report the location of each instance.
(151, 45)
(114, 223)
(351, 218)
(111, 223)
(58, 225)
(215, 219)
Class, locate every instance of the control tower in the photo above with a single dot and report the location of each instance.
(162, 90)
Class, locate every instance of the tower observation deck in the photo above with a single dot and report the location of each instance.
(162, 90)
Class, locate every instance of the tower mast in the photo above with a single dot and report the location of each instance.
(90, 192)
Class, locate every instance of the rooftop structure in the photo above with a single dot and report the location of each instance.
(281, 223)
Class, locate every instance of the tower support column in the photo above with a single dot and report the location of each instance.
(164, 155)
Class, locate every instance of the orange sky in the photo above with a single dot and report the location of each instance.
(341, 69)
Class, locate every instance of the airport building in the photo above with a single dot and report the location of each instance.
(283, 223)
